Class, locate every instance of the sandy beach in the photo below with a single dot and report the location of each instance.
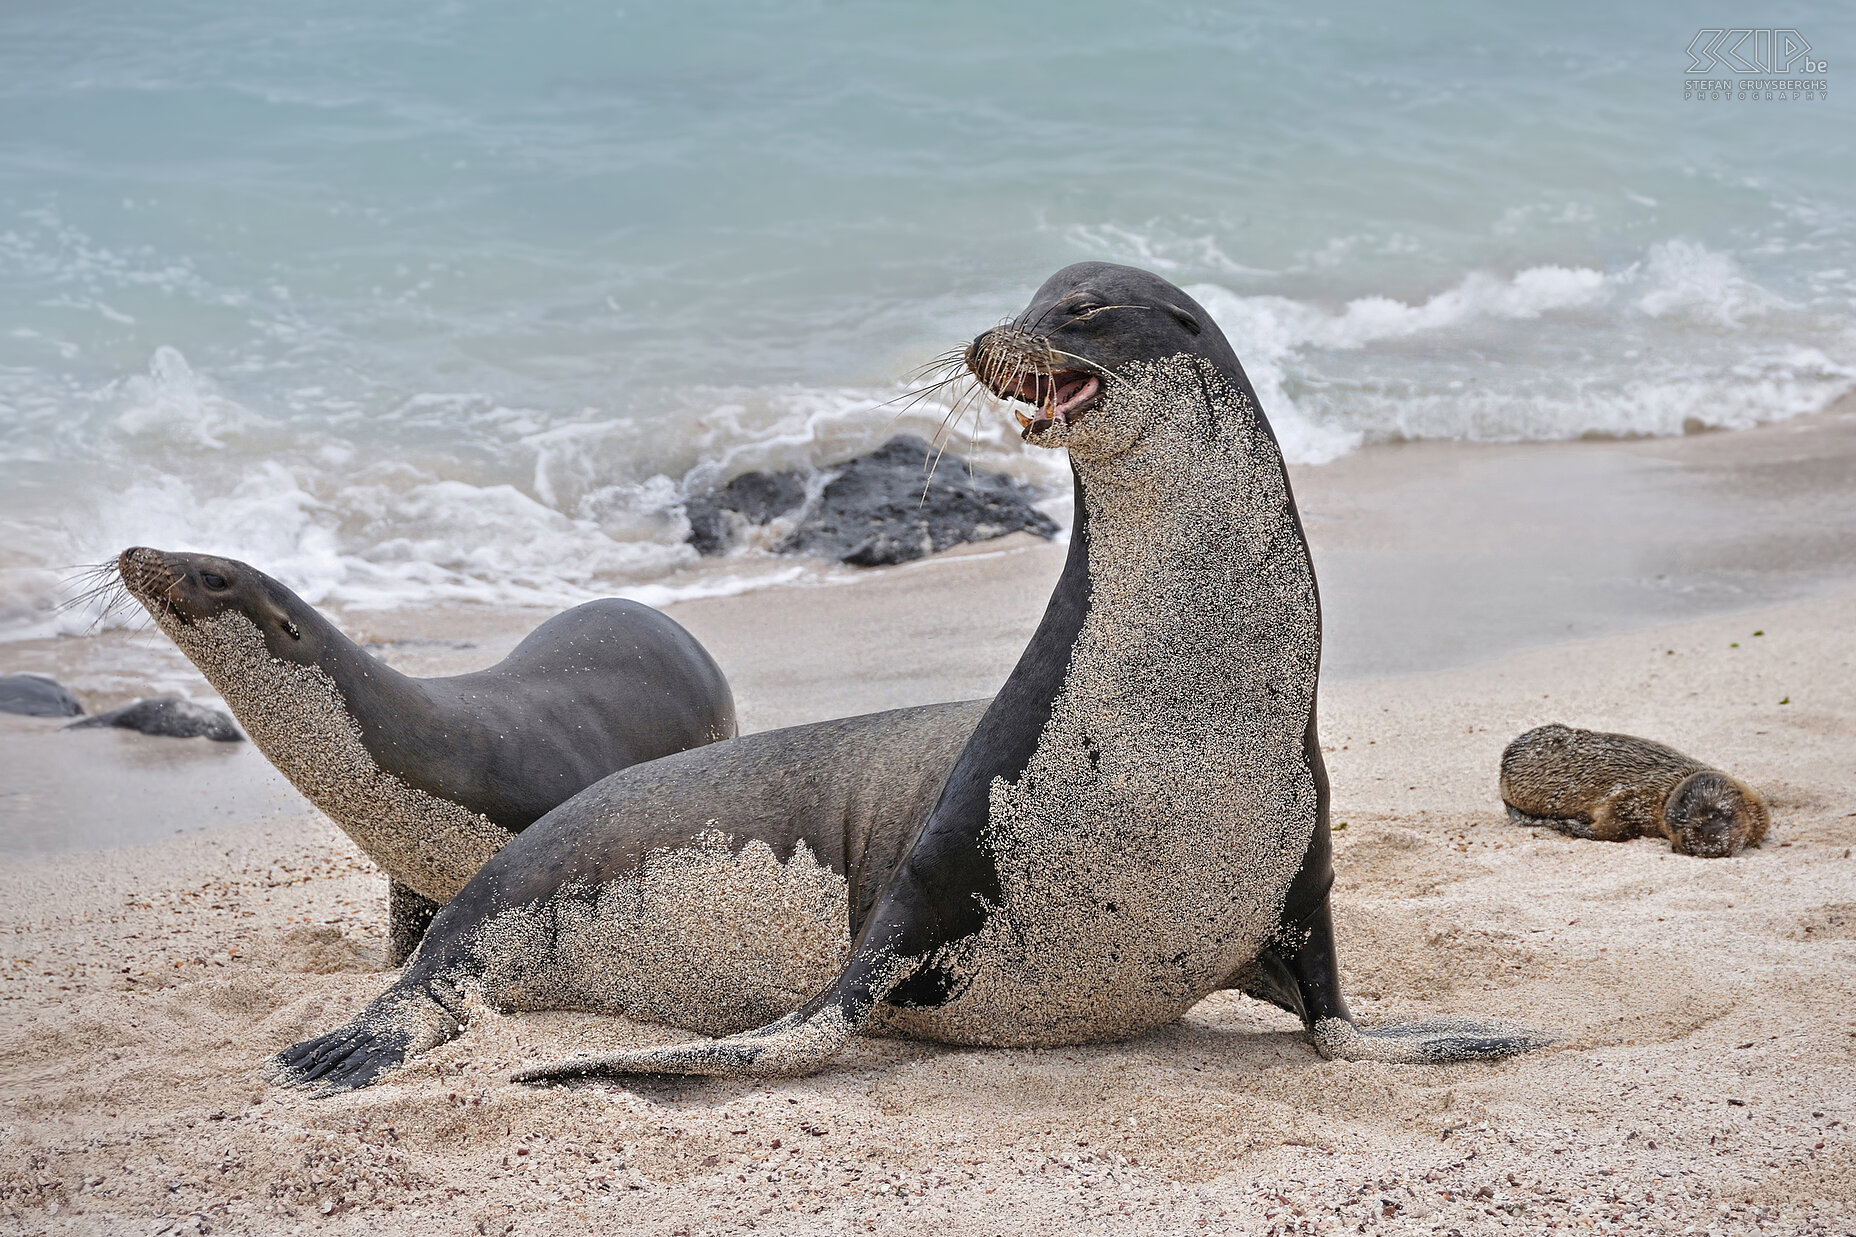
(1700, 591)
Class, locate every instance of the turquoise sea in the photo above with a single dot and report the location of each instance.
(430, 302)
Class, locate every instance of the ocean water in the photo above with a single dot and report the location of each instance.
(438, 302)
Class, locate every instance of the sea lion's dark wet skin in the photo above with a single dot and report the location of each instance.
(593, 690)
(1138, 819)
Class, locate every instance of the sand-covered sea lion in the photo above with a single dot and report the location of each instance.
(431, 777)
(1137, 820)
(1614, 787)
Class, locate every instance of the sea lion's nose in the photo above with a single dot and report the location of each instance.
(140, 558)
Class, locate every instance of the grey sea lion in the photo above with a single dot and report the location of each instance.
(167, 716)
(1137, 820)
(1614, 787)
(431, 777)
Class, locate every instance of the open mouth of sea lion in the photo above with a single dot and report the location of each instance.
(1061, 398)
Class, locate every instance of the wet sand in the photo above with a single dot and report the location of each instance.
(1706, 1054)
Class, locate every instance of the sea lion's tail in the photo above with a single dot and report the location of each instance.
(800, 1043)
(1431, 1042)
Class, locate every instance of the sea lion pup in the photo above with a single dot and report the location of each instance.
(1137, 820)
(1614, 787)
(431, 777)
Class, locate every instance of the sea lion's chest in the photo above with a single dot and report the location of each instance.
(1145, 851)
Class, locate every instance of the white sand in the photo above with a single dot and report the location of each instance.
(1705, 1075)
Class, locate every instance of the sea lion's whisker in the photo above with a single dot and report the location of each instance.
(945, 360)
(940, 445)
(97, 587)
(910, 398)
(1102, 309)
(968, 398)
(952, 361)
(953, 406)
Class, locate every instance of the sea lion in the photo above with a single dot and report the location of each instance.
(1614, 787)
(1137, 820)
(431, 777)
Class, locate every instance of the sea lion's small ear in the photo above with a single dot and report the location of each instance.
(1185, 319)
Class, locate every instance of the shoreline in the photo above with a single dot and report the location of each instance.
(1621, 532)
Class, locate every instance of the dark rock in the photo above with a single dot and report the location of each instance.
(37, 695)
(170, 716)
(875, 512)
(754, 496)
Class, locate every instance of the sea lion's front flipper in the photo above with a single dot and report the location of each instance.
(1299, 972)
(893, 948)
(1571, 826)
(416, 1014)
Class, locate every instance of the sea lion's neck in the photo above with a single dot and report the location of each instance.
(312, 718)
(391, 704)
(380, 701)
(1191, 521)
(1170, 535)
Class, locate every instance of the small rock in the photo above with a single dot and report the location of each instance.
(709, 528)
(37, 695)
(754, 496)
(169, 716)
(759, 496)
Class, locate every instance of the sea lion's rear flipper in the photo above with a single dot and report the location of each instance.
(1571, 826)
(800, 1043)
(1432, 1041)
(1298, 971)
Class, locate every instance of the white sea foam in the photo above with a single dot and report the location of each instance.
(1680, 338)
(200, 472)
(1683, 278)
